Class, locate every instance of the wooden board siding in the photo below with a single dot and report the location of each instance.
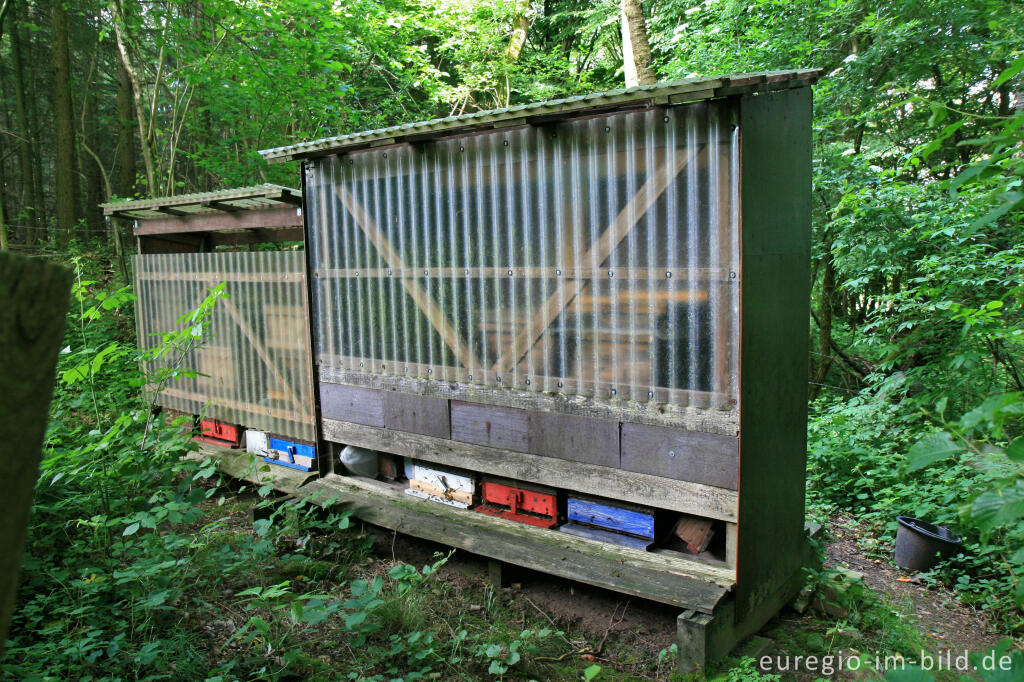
(498, 427)
(686, 455)
(417, 414)
(776, 217)
(608, 482)
(578, 439)
(352, 404)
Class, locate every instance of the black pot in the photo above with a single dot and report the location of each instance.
(920, 545)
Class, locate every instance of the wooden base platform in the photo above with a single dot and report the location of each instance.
(707, 628)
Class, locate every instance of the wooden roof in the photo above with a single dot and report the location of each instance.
(664, 94)
(257, 197)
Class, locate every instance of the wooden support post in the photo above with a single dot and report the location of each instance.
(702, 638)
(33, 300)
(499, 574)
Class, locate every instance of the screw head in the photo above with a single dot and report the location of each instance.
(671, 453)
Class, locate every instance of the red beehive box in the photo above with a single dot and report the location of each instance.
(219, 433)
(530, 506)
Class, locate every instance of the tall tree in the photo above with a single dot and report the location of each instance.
(636, 49)
(125, 134)
(64, 121)
(30, 200)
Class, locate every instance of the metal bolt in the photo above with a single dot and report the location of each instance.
(506, 143)
(462, 149)
(509, 273)
(668, 275)
(607, 129)
(614, 391)
(732, 275)
(611, 273)
(498, 379)
(360, 364)
(470, 377)
(650, 394)
(558, 272)
(559, 384)
(430, 371)
(667, 119)
(671, 453)
(385, 155)
(527, 382)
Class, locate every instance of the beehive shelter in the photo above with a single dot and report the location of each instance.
(588, 319)
(254, 368)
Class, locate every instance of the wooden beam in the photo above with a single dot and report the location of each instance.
(287, 197)
(598, 252)
(213, 222)
(669, 580)
(303, 417)
(655, 491)
(170, 211)
(431, 310)
(221, 206)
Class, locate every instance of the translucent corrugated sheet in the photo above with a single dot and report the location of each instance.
(255, 362)
(597, 256)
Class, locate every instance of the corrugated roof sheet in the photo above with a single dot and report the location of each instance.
(673, 92)
(237, 199)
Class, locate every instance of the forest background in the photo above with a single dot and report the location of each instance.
(917, 384)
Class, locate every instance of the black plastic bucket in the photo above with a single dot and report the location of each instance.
(920, 545)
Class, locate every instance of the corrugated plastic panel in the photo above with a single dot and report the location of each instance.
(595, 257)
(255, 362)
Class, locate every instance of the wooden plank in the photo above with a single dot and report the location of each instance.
(776, 217)
(685, 455)
(249, 467)
(417, 414)
(211, 222)
(665, 493)
(217, 277)
(662, 412)
(575, 438)
(352, 404)
(730, 545)
(673, 581)
(598, 252)
(431, 310)
(606, 514)
(645, 274)
(498, 427)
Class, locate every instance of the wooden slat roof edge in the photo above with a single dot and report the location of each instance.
(671, 92)
(264, 191)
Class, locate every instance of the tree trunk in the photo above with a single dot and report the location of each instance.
(33, 300)
(64, 120)
(636, 49)
(520, 26)
(30, 196)
(828, 287)
(125, 134)
(146, 130)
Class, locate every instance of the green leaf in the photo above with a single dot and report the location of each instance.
(1015, 450)
(995, 508)
(591, 672)
(930, 449)
(912, 674)
(355, 619)
(131, 530)
(1009, 72)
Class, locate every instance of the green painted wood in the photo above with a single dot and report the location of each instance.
(775, 297)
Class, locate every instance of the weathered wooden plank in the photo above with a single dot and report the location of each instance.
(497, 427)
(352, 404)
(578, 439)
(655, 491)
(417, 414)
(657, 414)
(686, 455)
(610, 516)
(683, 583)
(249, 467)
(212, 222)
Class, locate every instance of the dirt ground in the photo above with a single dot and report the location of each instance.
(600, 615)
